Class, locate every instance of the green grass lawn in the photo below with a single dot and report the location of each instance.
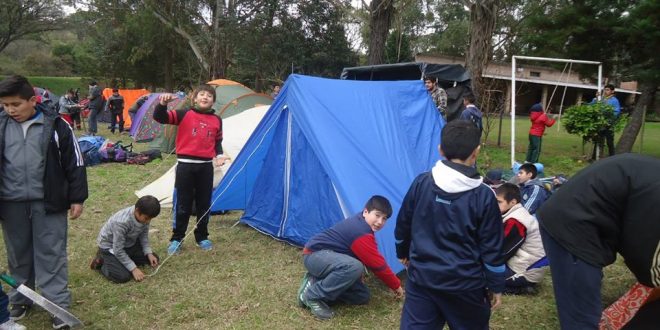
(249, 280)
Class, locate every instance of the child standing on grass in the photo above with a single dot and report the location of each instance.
(124, 242)
(198, 149)
(335, 260)
(42, 175)
(449, 236)
(539, 121)
(522, 242)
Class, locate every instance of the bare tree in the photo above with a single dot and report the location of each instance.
(483, 16)
(631, 130)
(21, 18)
(380, 18)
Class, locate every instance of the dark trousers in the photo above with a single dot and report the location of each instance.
(534, 149)
(4, 303)
(605, 136)
(336, 277)
(576, 285)
(647, 318)
(115, 271)
(431, 309)
(193, 182)
(113, 121)
(515, 283)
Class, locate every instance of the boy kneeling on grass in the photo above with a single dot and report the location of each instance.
(124, 242)
(522, 245)
(335, 260)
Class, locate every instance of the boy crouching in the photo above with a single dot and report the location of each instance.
(335, 260)
(124, 242)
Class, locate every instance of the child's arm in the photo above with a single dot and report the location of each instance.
(220, 158)
(490, 236)
(366, 250)
(71, 160)
(162, 115)
(515, 234)
(549, 121)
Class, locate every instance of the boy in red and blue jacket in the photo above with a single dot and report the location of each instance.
(198, 149)
(335, 260)
(449, 235)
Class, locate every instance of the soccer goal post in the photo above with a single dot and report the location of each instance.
(514, 58)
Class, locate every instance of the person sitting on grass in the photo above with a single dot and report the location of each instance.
(123, 242)
(449, 235)
(539, 121)
(522, 245)
(335, 260)
(532, 191)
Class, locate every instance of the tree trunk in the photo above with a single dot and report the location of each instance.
(379, 24)
(483, 15)
(631, 130)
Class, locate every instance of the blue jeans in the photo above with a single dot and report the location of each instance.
(335, 277)
(576, 285)
(4, 303)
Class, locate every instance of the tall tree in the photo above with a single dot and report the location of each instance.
(483, 16)
(380, 13)
(22, 18)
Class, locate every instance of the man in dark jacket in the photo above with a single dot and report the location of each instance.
(42, 175)
(115, 105)
(608, 208)
(95, 105)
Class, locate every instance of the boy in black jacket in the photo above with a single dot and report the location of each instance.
(449, 235)
(608, 208)
(42, 175)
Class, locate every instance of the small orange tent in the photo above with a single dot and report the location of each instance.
(130, 96)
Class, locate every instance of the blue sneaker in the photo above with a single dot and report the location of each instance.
(205, 245)
(173, 247)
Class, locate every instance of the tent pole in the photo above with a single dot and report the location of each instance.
(513, 109)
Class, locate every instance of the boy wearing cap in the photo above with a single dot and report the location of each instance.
(539, 121)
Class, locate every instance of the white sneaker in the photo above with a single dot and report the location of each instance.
(11, 325)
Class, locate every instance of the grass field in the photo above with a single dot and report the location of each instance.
(249, 280)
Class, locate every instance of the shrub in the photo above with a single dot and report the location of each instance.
(588, 120)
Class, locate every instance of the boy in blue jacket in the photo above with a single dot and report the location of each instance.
(449, 235)
(532, 191)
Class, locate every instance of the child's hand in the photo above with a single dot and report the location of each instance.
(153, 261)
(163, 99)
(399, 293)
(75, 211)
(138, 275)
(405, 262)
(219, 161)
(495, 299)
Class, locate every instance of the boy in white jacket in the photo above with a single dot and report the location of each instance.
(522, 246)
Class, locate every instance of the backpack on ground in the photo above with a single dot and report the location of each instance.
(89, 147)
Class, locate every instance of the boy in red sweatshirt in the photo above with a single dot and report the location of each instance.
(539, 121)
(335, 260)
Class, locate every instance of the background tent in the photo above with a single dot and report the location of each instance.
(130, 96)
(144, 127)
(237, 130)
(324, 147)
(452, 77)
(231, 98)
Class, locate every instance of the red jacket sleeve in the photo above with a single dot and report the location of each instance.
(366, 250)
(549, 121)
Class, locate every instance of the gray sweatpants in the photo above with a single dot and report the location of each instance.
(36, 250)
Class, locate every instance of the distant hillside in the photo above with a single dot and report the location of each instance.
(59, 85)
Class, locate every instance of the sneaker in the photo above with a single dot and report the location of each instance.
(11, 325)
(17, 312)
(205, 245)
(304, 284)
(59, 324)
(97, 261)
(319, 308)
(173, 247)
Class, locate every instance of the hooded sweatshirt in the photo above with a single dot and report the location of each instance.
(530, 249)
(449, 227)
(533, 195)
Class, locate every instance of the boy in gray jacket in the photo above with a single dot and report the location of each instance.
(124, 242)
